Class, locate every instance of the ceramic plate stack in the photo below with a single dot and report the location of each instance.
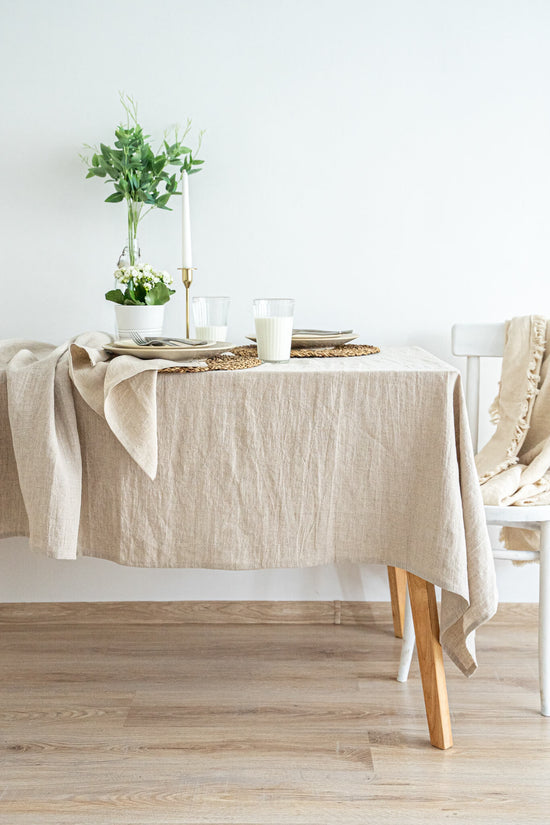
(317, 338)
(169, 352)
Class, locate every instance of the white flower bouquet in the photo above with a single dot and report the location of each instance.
(144, 286)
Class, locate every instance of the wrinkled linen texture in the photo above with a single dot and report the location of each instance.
(364, 460)
(514, 466)
(37, 387)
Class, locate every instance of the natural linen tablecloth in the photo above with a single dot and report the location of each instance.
(319, 461)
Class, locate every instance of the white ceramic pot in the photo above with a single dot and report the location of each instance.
(143, 319)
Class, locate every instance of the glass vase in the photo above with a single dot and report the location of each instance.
(131, 254)
(127, 259)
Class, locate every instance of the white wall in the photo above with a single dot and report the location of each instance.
(387, 163)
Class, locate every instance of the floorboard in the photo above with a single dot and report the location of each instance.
(263, 724)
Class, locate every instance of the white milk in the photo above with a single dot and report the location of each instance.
(211, 333)
(274, 336)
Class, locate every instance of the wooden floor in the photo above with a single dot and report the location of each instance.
(244, 723)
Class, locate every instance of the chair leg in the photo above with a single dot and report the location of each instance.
(409, 642)
(430, 659)
(397, 579)
(544, 619)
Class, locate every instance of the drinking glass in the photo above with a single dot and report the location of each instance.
(210, 317)
(273, 318)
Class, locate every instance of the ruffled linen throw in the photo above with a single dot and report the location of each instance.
(40, 380)
(514, 466)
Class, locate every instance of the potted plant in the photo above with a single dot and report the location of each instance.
(140, 308)
(142, 177)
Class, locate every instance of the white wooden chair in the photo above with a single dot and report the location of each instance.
(475, 341)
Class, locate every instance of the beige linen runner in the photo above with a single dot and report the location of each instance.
(362, 460)
(44, 442)
(514, 466)
(44, 431)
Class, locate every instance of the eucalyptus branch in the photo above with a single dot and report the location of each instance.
(141, 176)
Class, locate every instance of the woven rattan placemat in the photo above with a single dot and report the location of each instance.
(345, 351)
(231, 360)
(243, 358)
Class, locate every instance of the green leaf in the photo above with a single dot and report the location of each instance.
(162, 201)
(197, 162)
(116, 197)
(140, 293)
(159, 163)
(115, 295)
(129, 294)
(158, 295)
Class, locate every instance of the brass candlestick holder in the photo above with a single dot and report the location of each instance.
(187, 278)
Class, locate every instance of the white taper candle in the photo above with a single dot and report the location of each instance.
(187, 257)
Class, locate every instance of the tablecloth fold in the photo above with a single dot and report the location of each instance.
(123, 391)
(39, 380)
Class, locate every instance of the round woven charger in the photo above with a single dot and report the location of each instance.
(344, 351)
(231, 360)
(243, 358)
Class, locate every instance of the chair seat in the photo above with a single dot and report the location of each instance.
(512, 515)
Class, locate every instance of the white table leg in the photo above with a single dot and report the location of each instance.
(544, 619)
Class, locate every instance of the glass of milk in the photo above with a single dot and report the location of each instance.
(273, 318)
(210, 317)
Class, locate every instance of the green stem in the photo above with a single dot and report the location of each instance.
(133, 221)
(130, 238)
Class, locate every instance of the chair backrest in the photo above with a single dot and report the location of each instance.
(476, 341)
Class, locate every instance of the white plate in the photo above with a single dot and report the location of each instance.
(169, 352)
(315, 341)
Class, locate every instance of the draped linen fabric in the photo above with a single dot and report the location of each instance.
(514, 466)
(45, 441)
(318, 461)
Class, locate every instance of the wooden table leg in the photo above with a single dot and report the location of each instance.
(398, 592)
(430, 658)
